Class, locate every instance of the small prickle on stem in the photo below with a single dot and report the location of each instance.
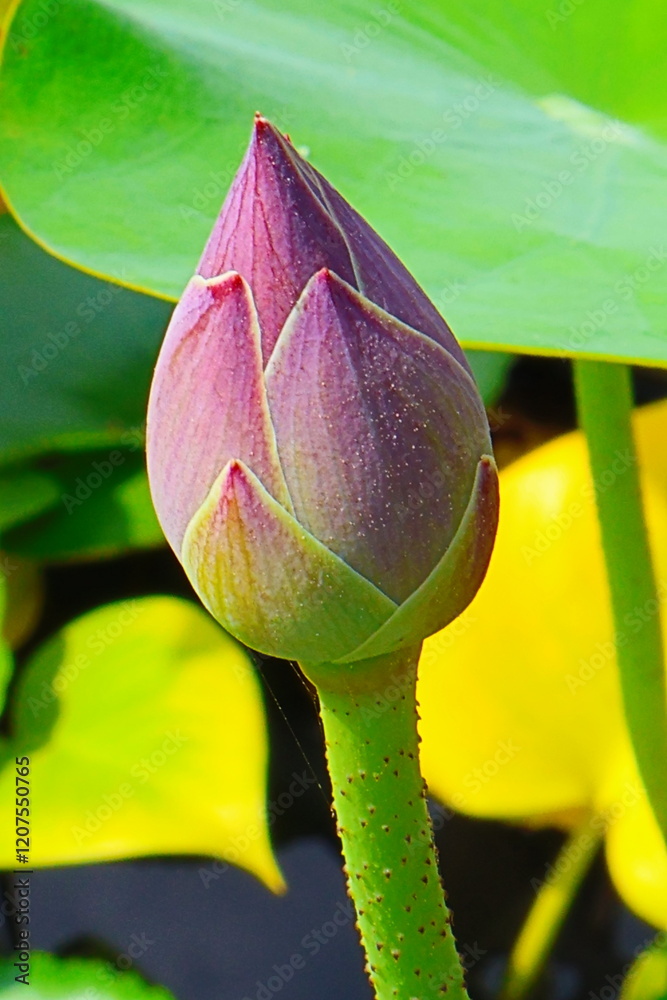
(380, 803)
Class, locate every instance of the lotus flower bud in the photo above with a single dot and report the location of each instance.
(318, 453)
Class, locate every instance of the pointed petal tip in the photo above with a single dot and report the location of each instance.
(488, 478)
(326, 286)
(327, 289)
(324, 278)
(488, 466)
(233, 473)
(487, 489)
(229, 278)
(261, 126)
(264, 126)
(267, 138)
(219, 289)
(229, 283)
(234, 485)
(326, 281)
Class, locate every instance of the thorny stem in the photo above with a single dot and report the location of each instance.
(369, 714)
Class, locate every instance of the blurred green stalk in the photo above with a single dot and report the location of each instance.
(547, 915)
(604, 401)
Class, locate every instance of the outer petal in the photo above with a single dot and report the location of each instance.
(282, 222)
(513, 662)
(383, 279)
(275, 230)
(539, 633)
(208, 402)
(454, 581)
(269, 582)
(379, 432)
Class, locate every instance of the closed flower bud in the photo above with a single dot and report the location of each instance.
(318, 453)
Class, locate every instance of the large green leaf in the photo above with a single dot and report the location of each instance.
(76, 353)
(102, 507)
(25, 493)
(53, 978)
(145, 729)
(490, 369)
(6, 658)
(514, 155)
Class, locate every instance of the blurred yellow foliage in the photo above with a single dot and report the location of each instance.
(520, 698)
(146, 734)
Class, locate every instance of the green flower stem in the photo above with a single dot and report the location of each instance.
(548, 912)
(604, 399)
(369, 713)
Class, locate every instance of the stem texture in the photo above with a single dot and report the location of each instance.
(369, 714)
(604, 401)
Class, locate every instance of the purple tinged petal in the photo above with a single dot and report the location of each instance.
(382, 278)
(208, 402)
(269, 582)
(453, 583)
(353, 476)
(274, 231)
(282, 222)
(379, 432)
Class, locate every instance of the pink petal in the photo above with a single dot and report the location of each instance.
(379, 431)
(274, 231)
(208, 402)
(282, 222)
(452, 584)
(269, 582)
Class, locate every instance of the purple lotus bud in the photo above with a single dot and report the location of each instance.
(318, 453)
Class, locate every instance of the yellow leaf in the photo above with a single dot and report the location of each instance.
(520, 699)
(638, 862)
(146, 732)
